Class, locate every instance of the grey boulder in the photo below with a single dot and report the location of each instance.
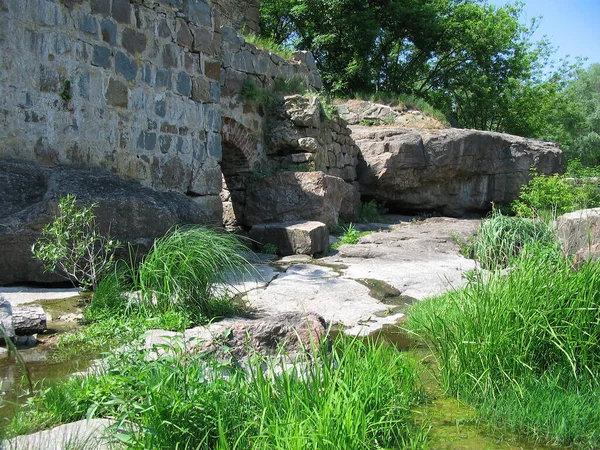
(29, 196)
(453, 171)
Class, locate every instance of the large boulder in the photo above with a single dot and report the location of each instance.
(579, 230)
(453, 171)
(29, 197)
(295, 196)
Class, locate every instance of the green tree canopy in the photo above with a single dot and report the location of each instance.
(473, 61)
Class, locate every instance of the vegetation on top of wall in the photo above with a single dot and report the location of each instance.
(270, 45)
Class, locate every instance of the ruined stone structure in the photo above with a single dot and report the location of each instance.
(147, 89)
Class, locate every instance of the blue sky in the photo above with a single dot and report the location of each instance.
(571, 25)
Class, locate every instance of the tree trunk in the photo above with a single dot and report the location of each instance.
(28, 320)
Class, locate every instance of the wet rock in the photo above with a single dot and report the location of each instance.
(6, 318)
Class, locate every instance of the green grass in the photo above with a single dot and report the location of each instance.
(500, 239)
(357, 396)
(181, 270)
(349, 236)
(524, 347)
(371, 212)
(269, 45)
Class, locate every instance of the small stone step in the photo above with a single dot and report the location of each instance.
(292, 238)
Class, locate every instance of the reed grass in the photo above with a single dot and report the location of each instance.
(505, 339)
(358, 395)
(181, 270)
(501, 239)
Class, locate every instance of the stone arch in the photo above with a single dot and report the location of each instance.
(240, 153)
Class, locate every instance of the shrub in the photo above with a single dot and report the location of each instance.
(501, 238)
(548, 196)
(371, 211)
(181, 271)
(72, 246)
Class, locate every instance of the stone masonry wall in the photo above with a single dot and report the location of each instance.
(243, 15)
(130, 86)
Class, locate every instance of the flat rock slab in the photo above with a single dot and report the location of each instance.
(324, 291)
(293, 238)
(20, 295)
(419, 259)
(82, 435)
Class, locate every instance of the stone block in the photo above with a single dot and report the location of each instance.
(184, 84)
(293, 238)
(212, 70)
(146, 141)
(101, 56)
(200, 90)
(133, 41)
(125, 66)
(121, 11)
(170, 56)
(184, 35)
(160, 108)
(116, 94)
(89, 25)
(163, 78)
(198, 11)
(100, 6)
(109, 31)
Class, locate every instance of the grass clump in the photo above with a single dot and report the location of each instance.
(524, 347)
(500, 239)
(371, 212)
(269, 45)
(183, 267)
(349, 236)
(356, 396)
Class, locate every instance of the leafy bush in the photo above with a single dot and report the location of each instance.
(548, 196)
(502, 238)
(72, 246)
(525, 346)
(371, 211)
(181, 270)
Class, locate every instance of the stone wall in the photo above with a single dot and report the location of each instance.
(129, 87)
(152, 91)
(242, 15)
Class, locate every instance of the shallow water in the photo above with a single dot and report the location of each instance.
(42, 370)
(454, 424)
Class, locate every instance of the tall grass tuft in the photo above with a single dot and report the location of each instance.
(181, 270)
(356, 396)
(503, 341)
(501, 239)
